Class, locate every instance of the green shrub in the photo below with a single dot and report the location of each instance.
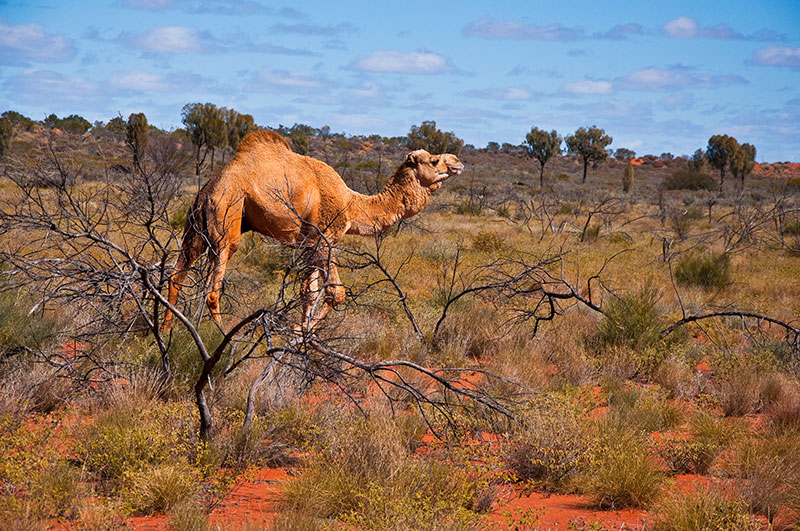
(686, 455)
(187, 515)
(122, 442)
(703, 510)
(633, 319)
(641, 410)
(468, 207)
(704, 269)
(689, 180)
(627, 178)
(620, 473)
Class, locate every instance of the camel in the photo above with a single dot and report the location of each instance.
(300, 202)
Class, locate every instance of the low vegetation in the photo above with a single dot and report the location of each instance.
(537, 328)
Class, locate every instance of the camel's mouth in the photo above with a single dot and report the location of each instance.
(451, 172)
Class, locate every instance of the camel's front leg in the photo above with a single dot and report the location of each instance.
(218, 265)
(318, 301)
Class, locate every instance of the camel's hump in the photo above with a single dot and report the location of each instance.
(253, 140)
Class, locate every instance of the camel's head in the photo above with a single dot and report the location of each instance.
(431, 170)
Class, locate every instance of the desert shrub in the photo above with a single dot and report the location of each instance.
(563, 177)
(767, 473)
(160, 487)
(468, 207)
(710, 429)
(121, 442)
(685, 455)
(689, 180)
(379, 486)
(472, 329)
(703, 510)
(20, 331)
(641, 410)
(633, 319)
(37, 483)
(793, 184)
(488, 242)
(677, 378)
(627, 178)
(620, 473)
(704, 269)
(783, 415)
(551, 447)
(187, 515)
(738, 392)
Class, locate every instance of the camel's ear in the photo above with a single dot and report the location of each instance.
(415, 157)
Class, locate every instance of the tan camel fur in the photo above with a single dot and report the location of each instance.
(300, 202)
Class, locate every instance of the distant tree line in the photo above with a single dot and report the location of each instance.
(212, 130)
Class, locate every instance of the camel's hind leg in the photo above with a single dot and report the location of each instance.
(192, 247)
(226, 239)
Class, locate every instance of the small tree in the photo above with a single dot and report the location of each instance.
(428, 137)
(743, 161)
(238, 125)
(492, 147)
(136, 137)
(697, 163)
(6, 133)
(206, 128)
(720, 150)
(624, 154)
(18, 119)
(590, 144)
(541, 146)
(627, 178)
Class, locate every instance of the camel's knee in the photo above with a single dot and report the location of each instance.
(336, 294)
(212, 301)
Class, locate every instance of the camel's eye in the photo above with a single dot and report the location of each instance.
(434, 161)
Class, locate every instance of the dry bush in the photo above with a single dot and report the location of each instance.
(767, 473)
(160, 487)
(679, 379)
(783, 414)
(643, 410)
(188, 515)
(702, 510)
(473, 330)
(362, 474)
(687, 455)
(738, 392)
(551, 446)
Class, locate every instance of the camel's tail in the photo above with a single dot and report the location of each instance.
(192, 246)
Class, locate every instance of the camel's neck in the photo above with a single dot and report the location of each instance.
(401, 198)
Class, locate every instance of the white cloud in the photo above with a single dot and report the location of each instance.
(507, 94)
(488, 28)
(684, 27)
(36, 87)
(588, 86)
(171, 39)
(668, 79)
(269, 80)
(404, 63)
(777, 56)
(139, 81)
(30, 42)
(369, 93)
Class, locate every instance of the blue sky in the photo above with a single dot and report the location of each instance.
(657, 76)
